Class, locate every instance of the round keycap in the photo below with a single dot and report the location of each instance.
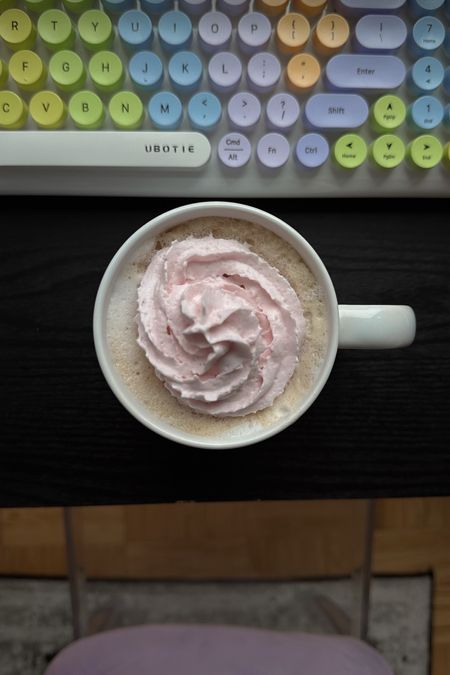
(86, 110)
(423, 7)
(273, 150)
(234, 150)
(309, 7)
(13, 111)
(214, 32)
(302, 72)
(156, 7)
(3, 73)
(185, 71)
(233, 7)
(330, 34)
(446, 119)
(146, 70)
(135, 30)
(38, 6)
(272, 8)
(126, 110)
(427, 112)
(78, 6)
(425, 151)
(204, 111)
(17, 30)
(67, 70)
(292, 33)
(55, 30)
(96, 30)
(27, 70)
(426, 75)
(175, 31)
(388, 112)
(224, 71)
(427, 35)
(388, 151)
(254, 31)
(117, 6)
(165, 110)
(350, 151)
(312, 151)
(446, 156)
(447, 81)
(263, 72)
(106, 71)
(244, 110)
(282, 111)
(48, 110)
(195, 7)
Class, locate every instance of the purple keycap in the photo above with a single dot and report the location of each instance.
(273, 150)
(233, 7)
(254, 31)
(224, 71)
(244, 110)
(282, 111)
(234, 150)
(336, 111)
(356, 7)
(381, 32)
(312, 150)
(363, 71)
(194, 7)
(214, 32)
(263, 72)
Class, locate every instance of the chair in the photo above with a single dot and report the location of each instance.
(216, 650)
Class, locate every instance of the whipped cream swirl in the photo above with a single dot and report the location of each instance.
(221, 326)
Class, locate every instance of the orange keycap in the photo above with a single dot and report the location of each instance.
(309, 7)
(271, 7)
(330, 34)
(292, 33)
(302, 72)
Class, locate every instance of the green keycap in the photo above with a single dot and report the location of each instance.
(126, 110)
(388, 151)
(3, 73)
(447, 155)
(96, 30)
(350, 151)
(388, 113)
(67, 70)
(86, 110)
(39, 6)
(77, 6)
(56, 30)
(106, 71)
(425, 151)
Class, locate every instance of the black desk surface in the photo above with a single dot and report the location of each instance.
(380, 427)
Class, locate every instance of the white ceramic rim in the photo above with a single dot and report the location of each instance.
(165, 221)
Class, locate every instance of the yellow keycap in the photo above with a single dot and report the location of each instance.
(426, 151)
(96, 30)
(27, 70)
(3, 73)
(48, 110)
(106, 71)
(271, 7)
(55, 30)
(126, 110)
(13, 111)
(17, 30)
(302, 72)
(447, 155)
(6, 4)
(309, 7)
(330, 34)
(388, 151)
(77, 6)
(350, 151)
(292, 33)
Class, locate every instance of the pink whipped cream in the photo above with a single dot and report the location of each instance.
(221, 326)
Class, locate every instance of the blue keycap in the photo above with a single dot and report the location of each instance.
(427, 74)
(135, 29)
(204, 111)
(427, 35)
(185, 71)
(156, 6)
(175, 31)
(117, 6)
(425, 113)
(146, 71)
(165, 110)
(423, 7)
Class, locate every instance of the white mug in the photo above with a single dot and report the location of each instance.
(350, 326)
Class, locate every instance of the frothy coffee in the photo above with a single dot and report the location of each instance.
(140, 377)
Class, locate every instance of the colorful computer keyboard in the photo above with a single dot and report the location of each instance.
(225, 98)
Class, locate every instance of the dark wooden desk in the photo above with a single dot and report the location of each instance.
(381, 426)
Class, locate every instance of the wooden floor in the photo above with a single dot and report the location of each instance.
(256, 540)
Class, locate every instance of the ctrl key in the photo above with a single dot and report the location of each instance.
(13, 111)
(234, 150)
(312, 151)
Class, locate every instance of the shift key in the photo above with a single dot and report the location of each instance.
(336, 111)
(365, 71)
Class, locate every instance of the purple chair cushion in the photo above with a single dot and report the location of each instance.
(216, 650)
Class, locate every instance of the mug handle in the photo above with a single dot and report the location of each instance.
(376, 326)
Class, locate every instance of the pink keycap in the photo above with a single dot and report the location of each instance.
(214, 32)
(263, 72)
(224, 71)
(244, 110)
(254, 31)
(273, 150)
